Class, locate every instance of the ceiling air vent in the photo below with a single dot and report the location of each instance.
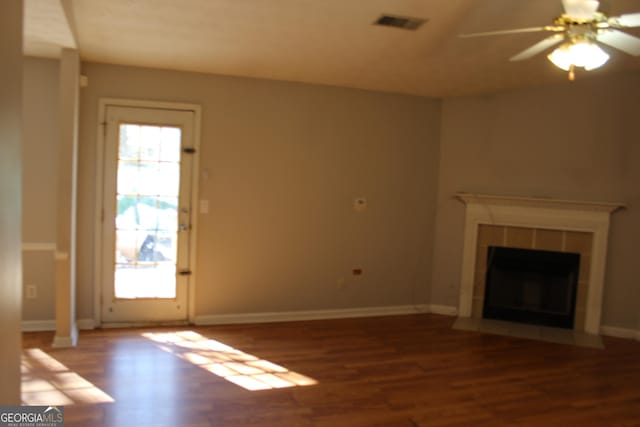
(404, 22)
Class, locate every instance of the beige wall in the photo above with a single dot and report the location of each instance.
(575, 141)
(285, 161)
(10, 203)
(39, 159)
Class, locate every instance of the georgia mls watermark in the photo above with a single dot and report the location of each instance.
(31, 416)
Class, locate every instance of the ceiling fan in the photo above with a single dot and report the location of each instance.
(581, 28)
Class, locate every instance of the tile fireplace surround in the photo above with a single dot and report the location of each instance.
(537, 223)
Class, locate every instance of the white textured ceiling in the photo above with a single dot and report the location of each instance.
(46, 29)
(332, 42)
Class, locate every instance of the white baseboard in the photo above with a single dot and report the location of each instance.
(66, 342)
(85, 324)
(613, 331)
(50, 325)
(222, 319)
(288, 316)
(446, 310)
(115, 325)
(30, 247)
(38, 325)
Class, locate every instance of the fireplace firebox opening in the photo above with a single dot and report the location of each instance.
(531, 286)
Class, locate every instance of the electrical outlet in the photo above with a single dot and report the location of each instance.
(32, 292)
(342, 284)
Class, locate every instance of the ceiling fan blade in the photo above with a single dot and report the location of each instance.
(516, 31)
(621, 41)
(538, 47)
(628, 20)
(581, 9)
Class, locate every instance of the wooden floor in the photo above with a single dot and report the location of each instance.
(403, 371)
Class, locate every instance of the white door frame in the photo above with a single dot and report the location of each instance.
(103, 103)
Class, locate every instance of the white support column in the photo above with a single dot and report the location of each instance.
(65, 256)
(11, 12)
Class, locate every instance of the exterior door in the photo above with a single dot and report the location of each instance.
(146, 223)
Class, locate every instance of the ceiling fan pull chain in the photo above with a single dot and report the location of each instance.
(572, 74)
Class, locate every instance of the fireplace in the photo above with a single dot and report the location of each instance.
(531, 286)
(575, 229)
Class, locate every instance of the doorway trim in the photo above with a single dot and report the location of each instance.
(103, 103)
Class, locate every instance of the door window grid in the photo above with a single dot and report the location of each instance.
(148, 183)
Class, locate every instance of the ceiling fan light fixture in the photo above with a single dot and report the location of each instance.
(582, 53)
(581, 9)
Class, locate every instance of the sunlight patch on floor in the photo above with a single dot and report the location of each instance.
(45, 381)
(242, 369)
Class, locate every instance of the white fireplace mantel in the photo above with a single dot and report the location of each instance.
(546, 213)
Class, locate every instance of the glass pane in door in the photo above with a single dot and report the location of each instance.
(146, 232)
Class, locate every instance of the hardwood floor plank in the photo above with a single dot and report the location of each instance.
(399, 371)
